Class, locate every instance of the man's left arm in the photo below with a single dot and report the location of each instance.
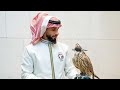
(70, 69)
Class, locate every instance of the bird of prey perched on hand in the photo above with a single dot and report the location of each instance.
(82, 62)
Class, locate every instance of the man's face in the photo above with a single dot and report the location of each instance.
(51, 34)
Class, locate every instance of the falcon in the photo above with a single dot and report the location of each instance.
(82, 62)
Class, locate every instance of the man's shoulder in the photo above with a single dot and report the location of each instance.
(29, 47)
(63, 45)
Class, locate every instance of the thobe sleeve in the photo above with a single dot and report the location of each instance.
(27, 66)
(70, 69)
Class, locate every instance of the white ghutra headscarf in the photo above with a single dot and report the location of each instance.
(40, 23)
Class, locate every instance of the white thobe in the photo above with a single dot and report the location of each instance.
(36, 62)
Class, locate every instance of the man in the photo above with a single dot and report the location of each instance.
(45, 58)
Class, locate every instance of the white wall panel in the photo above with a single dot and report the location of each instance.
(10, 57)
(2, 24)
(18, 24)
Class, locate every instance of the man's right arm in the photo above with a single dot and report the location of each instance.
(27, 66)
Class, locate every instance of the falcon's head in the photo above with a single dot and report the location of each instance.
(78, 48)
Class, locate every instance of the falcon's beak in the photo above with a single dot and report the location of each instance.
(73, 49)
(85, 50)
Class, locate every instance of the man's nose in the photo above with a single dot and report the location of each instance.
(57, 33)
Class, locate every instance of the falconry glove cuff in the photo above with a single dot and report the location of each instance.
(82, 77)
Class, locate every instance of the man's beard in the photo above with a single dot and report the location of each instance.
(51, 39)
